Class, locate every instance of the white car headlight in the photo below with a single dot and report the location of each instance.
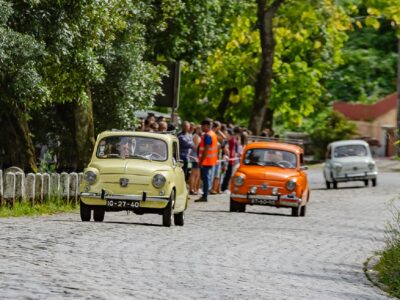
(337, 167)
(90, 177)
(158, 181)
(238, 180)
(371, 165)
(291, 185)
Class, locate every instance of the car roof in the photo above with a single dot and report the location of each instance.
(275, 145)
(348, 142)
(162, 136)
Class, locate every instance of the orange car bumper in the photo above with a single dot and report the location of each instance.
(268, 200)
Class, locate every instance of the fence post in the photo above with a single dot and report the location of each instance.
(30, 184)
(65, 186)
(39, 187)
(55, 185)
(46, 186)
(9, 193)
(73, 179)
(20, 186)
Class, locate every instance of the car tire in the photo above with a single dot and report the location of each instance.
(335, 185)
(86, 212)
(373, 182)
(328, 184)
(167, 214)
(98, 214)
(236, 207)
(179, 219)
(366, 182)
(303, 211)
(296, 211)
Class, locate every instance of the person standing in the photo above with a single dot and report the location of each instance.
(208, 156)
(185, 146)
(233, 150)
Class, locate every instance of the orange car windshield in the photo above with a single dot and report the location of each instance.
(270, 157)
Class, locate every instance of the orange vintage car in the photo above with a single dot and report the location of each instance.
(271, 174)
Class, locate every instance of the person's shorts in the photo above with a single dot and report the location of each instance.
(216, 170)
(195, 165)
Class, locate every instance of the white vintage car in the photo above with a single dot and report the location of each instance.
(349, 160)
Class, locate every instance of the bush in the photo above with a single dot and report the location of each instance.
(326, 127)
(389, 265)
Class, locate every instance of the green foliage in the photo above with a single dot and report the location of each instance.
(389, 265)
(326, 127)
(25, 208)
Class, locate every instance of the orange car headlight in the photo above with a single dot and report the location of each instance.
(291, 185)
(238, 180)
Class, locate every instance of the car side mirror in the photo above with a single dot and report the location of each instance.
(303, 168)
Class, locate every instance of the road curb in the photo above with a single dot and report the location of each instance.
(372, 275)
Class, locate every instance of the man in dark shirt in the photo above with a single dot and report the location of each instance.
(185, 145)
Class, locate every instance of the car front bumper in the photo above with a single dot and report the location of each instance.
(145, 201)
(356, 176)
(268, 200)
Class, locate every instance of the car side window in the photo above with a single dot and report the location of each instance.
(328, 153)
(175, 153)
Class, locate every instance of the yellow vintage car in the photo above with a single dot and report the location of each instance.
(135, 171)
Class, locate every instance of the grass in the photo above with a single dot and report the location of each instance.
(388, 267)
(25, 208)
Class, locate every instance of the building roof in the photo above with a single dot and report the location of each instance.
(366, 112)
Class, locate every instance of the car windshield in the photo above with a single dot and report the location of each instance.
(270, 157)
(134, 147)
(350, 150)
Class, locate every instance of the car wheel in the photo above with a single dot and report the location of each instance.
(167, 214)
(335, 185)
(98, 214)
(179, 219)
(303, 210)
(296, 211)
(328, 184)
(236, 207)
(86, 212)
(366, 182)
(373, 182)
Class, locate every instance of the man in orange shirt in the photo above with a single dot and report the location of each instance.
(208, 156)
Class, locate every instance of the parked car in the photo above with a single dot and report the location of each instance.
(349, 160)
(271, 174)
(135, 171)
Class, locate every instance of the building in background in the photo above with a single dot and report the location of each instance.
(376, 123)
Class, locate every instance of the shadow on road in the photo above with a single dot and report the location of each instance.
(108, 222)
(339, 188)
(247, 212)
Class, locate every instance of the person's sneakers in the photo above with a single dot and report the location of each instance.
(201, 199)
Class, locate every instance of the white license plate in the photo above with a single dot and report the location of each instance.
(123, 203)
(264, 201)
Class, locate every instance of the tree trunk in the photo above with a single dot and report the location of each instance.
(84, 132)
(268, 119)
(17, 142)
(263, 83)
(224, 104)
(398, 99)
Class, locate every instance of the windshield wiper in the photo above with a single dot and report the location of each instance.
(138, 156)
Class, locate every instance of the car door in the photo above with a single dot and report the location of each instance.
(180, 183)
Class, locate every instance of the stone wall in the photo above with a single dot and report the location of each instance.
(15, 186)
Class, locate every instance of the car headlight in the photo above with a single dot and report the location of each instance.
(291, 185)
(371, 165)
(337, 167)
(158, 181)
(238, 180)
(90, 177)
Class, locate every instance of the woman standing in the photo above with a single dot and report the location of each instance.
(194, 179)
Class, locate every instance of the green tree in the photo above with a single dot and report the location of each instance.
(22, 89)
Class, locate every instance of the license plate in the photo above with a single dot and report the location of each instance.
(123, 203)
(264, 201)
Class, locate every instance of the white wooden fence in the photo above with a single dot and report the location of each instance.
(38, 188)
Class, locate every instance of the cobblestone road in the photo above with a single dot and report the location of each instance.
(261, 254)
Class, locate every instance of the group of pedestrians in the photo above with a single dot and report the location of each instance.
(210, 152)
